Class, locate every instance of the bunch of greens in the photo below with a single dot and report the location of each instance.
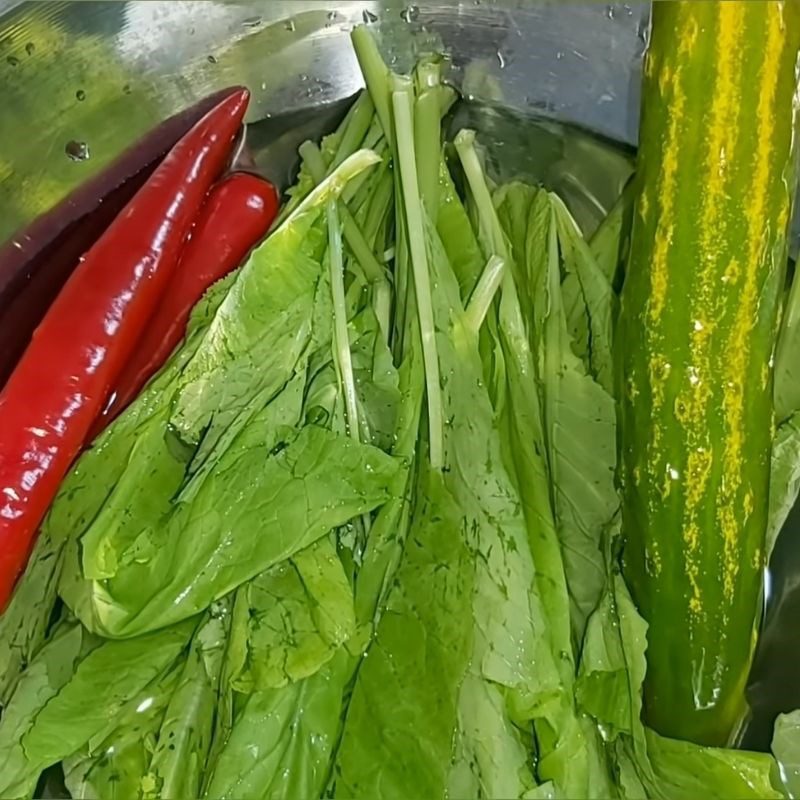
(359, 537)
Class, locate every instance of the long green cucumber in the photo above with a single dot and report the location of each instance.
(697, 330)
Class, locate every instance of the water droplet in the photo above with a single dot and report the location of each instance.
(698, 325)
(30, 48)
(611, 12)
(410, 14)
(13, 61)
(673, 473)
(303, 77)
(263, 86)
(290, 26)
(251, 22)
(368, 16)
(143, 706)
(81, 95)
(212, 59)
(559, 55)
(77, 151)
(501, 59)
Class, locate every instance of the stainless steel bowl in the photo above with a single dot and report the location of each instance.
(81, 81)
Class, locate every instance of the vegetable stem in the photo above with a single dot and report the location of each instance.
(380, 204)
(356, 128)
(403, 287)
(491, 233)
(343, 358)
(373, 270)
(376, 75)
(427, 132)
(351, 167)
(428, 74)
(402, 105)
(427, 136)
(484, 293)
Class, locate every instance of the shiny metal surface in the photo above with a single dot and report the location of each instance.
(81, 81)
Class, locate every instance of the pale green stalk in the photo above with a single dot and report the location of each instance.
(357, 125)
(376, 74)
(484, 293)
(373, 271)
(406, 154)
(491, 231)
(341, 339)
(427, 141)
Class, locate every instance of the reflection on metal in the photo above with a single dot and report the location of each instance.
(136, 63)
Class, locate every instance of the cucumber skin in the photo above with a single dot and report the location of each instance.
(698, 321)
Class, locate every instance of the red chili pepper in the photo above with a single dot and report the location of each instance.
(77, 353)
(236, 215)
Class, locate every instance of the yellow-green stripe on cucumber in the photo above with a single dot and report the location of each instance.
(696, 335)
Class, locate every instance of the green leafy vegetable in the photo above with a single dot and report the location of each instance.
(786, 748)
(110, 675)
(310, 482)
(575, 408)
(565, 754)
(300, 613)
(784, 478)
(282, 739)
(24, 623)
(41, 682)
(115, 763)
(122, 544)
(56, 710)
(787, 373)
(587, 294)
(456, 643)
(610, 242)
(684, 771)
(184, 737)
